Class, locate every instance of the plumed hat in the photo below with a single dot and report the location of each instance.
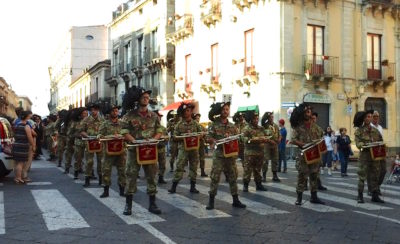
(183, 107)
(132, 96)
(216, 110)
(171, 115)
(265, 118)
(250, 114)
(360, 116)
(237, 115)
(297, 116)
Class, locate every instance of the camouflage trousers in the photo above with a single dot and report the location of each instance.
(368, 168)
(79, 153)
(202, 154)
(382, 173)
(228, 166)
(252, 164)
(271, 153)
(174, 151)
(162, 160)
(132, 170)
(69, 152)
(50, 147)
(61, 144)
(183, 158)
(306, 171)
(90, 162)
(241, 151)
(119, 162)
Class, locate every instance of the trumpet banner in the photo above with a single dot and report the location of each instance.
(231, 149)
(322, 147)
(191, 143)
(94, 146)
(147, 154)
(114, 147)
(312, 155)
(378, 152)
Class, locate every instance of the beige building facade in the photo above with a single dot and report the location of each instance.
(340, 56)
(9, 100)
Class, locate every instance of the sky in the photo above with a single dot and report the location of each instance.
(30, 32)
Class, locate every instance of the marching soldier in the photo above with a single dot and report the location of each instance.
(162, 160)
(271, 149)
(139, 123)
(254, 138)
(172, 120)
(305, 131)
(69, 144)
(50, 135)
(240, 123)
(185, 151)
(202, 147)
(314, 118)
(364, 134)
(79, 146)
(221, 128)
(114, 151)
(61, 128)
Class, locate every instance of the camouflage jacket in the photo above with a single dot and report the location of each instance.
(74, 131)
(141, 126)
(164, 133)
(60, 127)
(218, 130)
(91, 125)
(183, 127)
(171, 126)
(109, 128)
(253, 148)
(273, 131)
(366, 134)
(70, 136)
(50, 129)
(307, 134)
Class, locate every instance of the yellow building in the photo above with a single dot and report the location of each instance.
(337, 55)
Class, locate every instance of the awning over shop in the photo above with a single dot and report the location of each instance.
(175, 105)
(248, 108)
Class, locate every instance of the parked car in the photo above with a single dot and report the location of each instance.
(6, 141)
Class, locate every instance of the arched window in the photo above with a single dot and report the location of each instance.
(378, 104)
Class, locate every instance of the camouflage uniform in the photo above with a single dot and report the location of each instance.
(185, 156)
(61, 139)
(367, 166)
(91, 126)
(306, 134)
(49, 133)
(69, 146)
(253, 153)
(162, 161)
(109, 128)
(218, 130)
(271, 150)
(173, 144)
(240, 127)
(202, 148)
(79, 145)
(140, 127)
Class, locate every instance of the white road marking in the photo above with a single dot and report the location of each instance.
(1, 184)
(42, 165)
(2, 217)
(291, 200)
(333, 198)
(156, 233)
(57, 212)
(45, 183)
(187, 205)
(379, 217)
(385, 191)
(252, 206)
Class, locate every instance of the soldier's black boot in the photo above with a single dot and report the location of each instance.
(171, 164)
(100, 180)
(153, 208)
(260, 187)
(93, 176)
(105, 192)
(236, 203)
(275, 177)
(314, 198)
(306, 185)
(76, 173)
(299, 198)
(193, 187)
(360, 197)
(87, 181)
(210, 202)
(128, 205)
(66, 171)
(59, 164)
(264, 176)
(121, 190)
(173, 187)
(161, 180)
(376, 198)
(320, 186)
(246, 187)
(203, 173)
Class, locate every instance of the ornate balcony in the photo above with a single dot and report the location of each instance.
(382, 6)
(183, 28)
(211, 12)
(242, 4)
(320, 67)
(379, 74)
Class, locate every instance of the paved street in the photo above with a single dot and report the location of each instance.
(56, 209)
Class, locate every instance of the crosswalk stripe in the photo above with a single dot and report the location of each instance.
(117, 203)
(333, 198)
(291, 200)
(57, 212)
(42, 165)
(77, 181)
(379, 217)
(2, 219)
(252, 206)
(45, 183)
(187, 205)
(355, 186)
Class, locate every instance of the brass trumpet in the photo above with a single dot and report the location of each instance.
(137, 143)
(185, 135)
(227, 139)
(310, 145)
(374, 144)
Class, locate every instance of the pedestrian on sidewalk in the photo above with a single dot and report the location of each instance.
(282, 146)
(327, 157)
(343, 144)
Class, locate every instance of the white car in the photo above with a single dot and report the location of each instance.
(6, 141)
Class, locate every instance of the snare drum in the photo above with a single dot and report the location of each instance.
(191, 143)
(115, 147)
(147, 154)
(94, 146)
(378, 152)
(312, 155)
(231, 148)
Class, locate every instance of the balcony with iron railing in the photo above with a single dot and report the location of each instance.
(242, 4)
(183, 28)
(320, 66)
(211, 12)
(379, 73)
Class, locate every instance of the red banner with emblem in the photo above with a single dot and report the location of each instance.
(322, 147)
(94, 146)
(231, 148)
(191, 143)
(115, 147)
(312, 155)
(147, 154)
(378, 152)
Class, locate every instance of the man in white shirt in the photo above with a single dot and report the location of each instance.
(382, 171)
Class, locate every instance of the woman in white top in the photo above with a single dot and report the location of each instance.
(327, 157)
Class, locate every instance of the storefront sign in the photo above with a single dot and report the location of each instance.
(317, 98)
